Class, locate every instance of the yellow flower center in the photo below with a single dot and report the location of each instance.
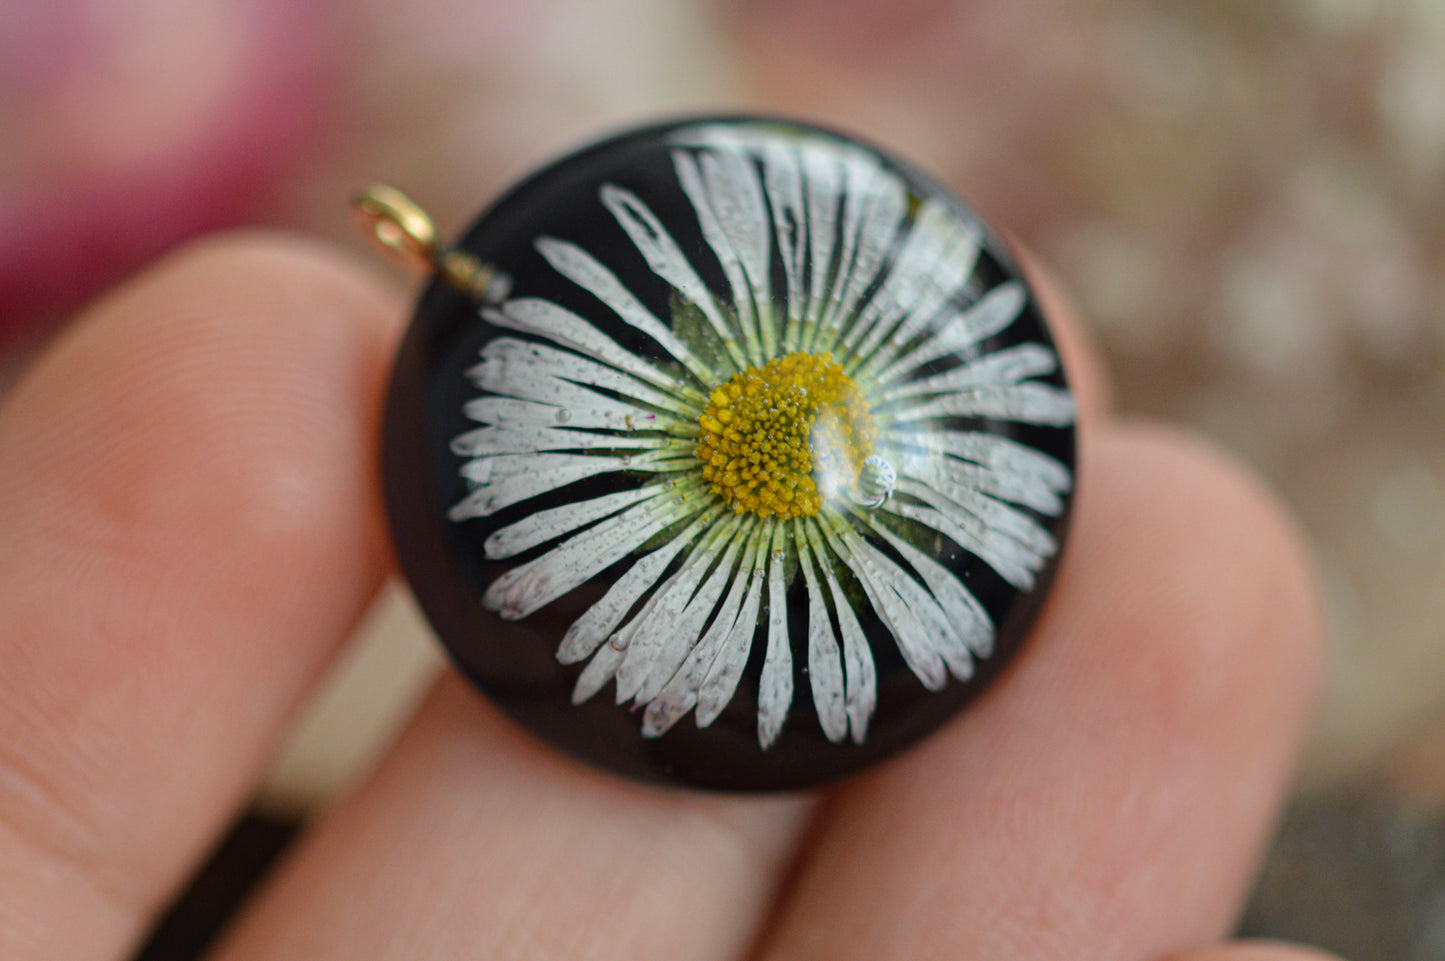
(783, 439)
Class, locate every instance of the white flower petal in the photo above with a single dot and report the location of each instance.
(1018, 473)
(775, 689)
(680, 693)
(545, 319)
(1027, 403)
(946, 639)
(580, 267)
(512, 478)
(602, 618)
(857, 654)
(637, 638)
(666, 259)
(609, 414)
(597, 673)
(783, 181)
(679, 638)
(543, 526)
(875, 203)
(658, 638)
(528, 587)
(1008, 366)
(504, 481)
(661, 462)
(716, 234)
(737, 199)
(921, 321)
(936, 260)
(489, 441)
(1013, 561)
(825, 662)
(969, 626)
(530, 371)
(722, 678)
(993, 312)
(824, 179)
(996, 516)
(990, 464)
(522, 379)
(881, 586)
(948, 474)
(942, 637)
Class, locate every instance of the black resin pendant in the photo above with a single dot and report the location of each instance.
(749, 468)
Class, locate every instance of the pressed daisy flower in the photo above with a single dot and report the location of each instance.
(816, 420)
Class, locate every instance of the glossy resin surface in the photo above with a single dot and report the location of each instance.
(758, 473)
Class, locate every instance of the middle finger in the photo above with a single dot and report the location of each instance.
(473, 840)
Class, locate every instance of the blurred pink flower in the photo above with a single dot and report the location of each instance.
(133, 125)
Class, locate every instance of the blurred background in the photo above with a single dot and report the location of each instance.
(1247, 200)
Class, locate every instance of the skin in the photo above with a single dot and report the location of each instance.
(193, 525)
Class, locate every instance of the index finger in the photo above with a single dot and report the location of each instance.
(191, 530)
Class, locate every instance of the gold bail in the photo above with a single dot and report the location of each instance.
(406, 236)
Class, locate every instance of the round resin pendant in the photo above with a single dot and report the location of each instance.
(739, 457)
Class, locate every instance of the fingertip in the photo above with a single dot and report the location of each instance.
(1084, 363)
(235, 362)
(1233, 540)
(1192, 605)
(193, 527)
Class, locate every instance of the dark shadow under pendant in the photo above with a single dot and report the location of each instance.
(743, 463)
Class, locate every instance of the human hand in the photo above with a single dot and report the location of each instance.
(194, 525)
